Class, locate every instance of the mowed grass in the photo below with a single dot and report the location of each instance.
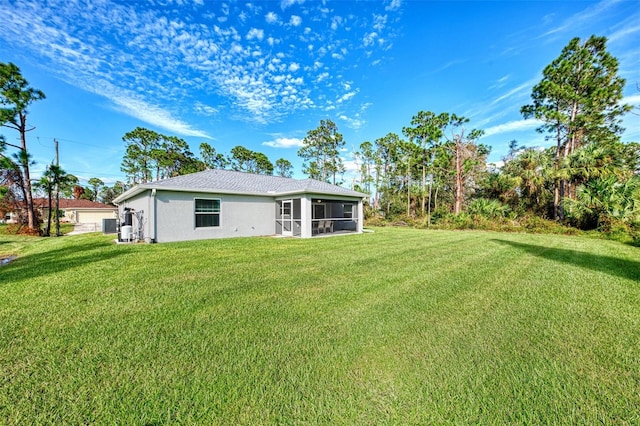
(399, 326)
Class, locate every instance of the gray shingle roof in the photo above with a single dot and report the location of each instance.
(228, 181)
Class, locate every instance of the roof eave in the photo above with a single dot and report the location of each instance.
(320, 192)
(138, 189)
(141, 188)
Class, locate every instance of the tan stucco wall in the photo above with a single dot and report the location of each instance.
(93, 216)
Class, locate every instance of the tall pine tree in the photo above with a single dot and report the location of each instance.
(578, 102)
(321, 152)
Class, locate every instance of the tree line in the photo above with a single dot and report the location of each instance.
(150, 156)
(153, 156)
(588, 179)
(436, 171)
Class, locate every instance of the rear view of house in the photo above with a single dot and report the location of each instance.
(224, 203)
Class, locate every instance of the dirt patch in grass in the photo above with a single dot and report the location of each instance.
(4, 260)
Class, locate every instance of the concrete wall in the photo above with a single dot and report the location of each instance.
(240, 216)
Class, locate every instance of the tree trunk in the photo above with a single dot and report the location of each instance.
(57, 209)
(556, 200)
(32, 220)
(458, 201)
(556, 182)
(409, 188)
(47, 231)
(424, 187)
(324, 168)
(429, 204)
(435, 199)
(560, 200)
(376, 202)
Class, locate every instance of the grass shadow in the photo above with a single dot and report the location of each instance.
(39, 265)
(613, 266)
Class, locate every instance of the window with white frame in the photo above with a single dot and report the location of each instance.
(348, 211)
(207, 212)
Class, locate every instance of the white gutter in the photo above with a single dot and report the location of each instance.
(152, 215)
(139, 189)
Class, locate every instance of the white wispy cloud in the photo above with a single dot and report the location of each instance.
(449, 65)
(370, 38)
(512, 126)
(203, 109)
(271, 18)
(393, 5)
(353, 122)
(284, 143)
(346, 97)
(500, 82)
(356, 121)
(518, 91)
(288, 3)
(379, 22)
(255, 33)
(629, 26)
(153, 66)
(351, 167)
(84, 66)
(336, 21)
(153, 115)
(322, 76)
(582, 18)
(631, 100)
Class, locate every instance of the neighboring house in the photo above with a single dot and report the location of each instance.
(224, 203)
(84, 212)
(9, 217)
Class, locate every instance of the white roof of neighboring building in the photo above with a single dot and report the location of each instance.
(232, 182)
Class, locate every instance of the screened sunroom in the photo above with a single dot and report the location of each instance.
(312, 217)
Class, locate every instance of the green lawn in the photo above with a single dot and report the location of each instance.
(399, 326)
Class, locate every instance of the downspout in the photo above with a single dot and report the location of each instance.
(152, 216)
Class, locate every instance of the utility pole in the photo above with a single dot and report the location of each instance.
(55, 142)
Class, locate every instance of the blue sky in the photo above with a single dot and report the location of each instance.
(262, 73)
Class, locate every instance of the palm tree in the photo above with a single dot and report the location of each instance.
(601, 200)
(53, 178)
(532, 173)
(593, 162)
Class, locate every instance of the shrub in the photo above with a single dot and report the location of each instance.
(490, 209)
(538, 225)
(20, 229)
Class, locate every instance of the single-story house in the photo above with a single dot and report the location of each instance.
(83, 212)
(225, 203)
(9, 217)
